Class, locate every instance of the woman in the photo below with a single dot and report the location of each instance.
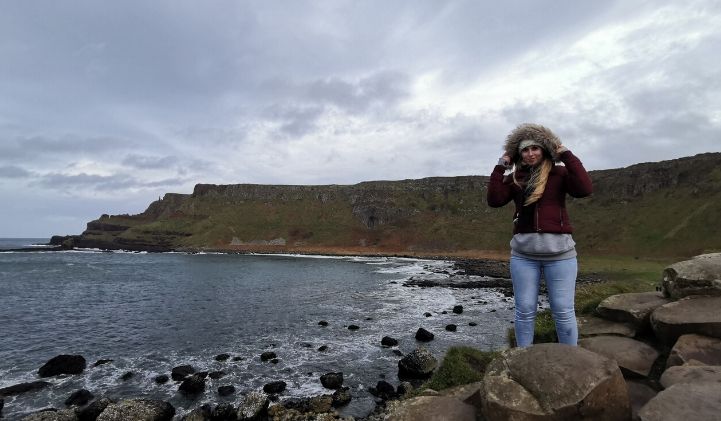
(542, 242)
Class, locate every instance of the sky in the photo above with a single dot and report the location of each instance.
(106, 106)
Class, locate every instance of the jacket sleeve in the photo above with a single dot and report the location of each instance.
(578, 182)
(499, 193)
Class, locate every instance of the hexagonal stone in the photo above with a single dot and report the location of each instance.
(700, 348)
(589, 326)
(634, 357)
(634, 308)
(684, 401)
(688, 315)
(691, 374)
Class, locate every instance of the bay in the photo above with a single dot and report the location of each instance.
(149, 312)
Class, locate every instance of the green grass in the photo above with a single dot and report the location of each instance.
(461, 365)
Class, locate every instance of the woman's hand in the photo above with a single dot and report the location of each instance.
(561, 149)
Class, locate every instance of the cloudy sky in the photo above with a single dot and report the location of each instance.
(105, 106)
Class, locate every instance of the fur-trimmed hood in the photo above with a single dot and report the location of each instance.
(540, 134)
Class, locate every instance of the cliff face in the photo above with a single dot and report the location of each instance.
(646, 209)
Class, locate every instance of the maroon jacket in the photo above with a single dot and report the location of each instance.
(548, 214)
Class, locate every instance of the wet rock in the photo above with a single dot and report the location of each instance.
(268, 355)
(632, 356)
(222, 357)
(398, 352)
(341, 397)
(684, 401)
(639, 394)
(79, 398)
(226, 390)
(691, 347)
(418, 364)
(237, 358)
(383, 390)
(404, 389)
(63, 364)
(253, 407)
(332, 380)
(323, 348)
(427, 314)
(201, 413)
(388, 341)
(101, 362)
(138, 409)
(424, 335)
(700, 275)
(458, 309)
(192, 385)
(215, 375)
(180, 372)
(92, 411)
(161, 379)
(451, 327)
(589, 326)
(554, 382)
(472, 324)
(275, 361)
(274, 387)
(52, 414)
(313, 404)
(323, 323)
(691, 374)
(693, 314)
(21, 388)
(632, 308)
(353, 327)
(222, 412)
(127, 376)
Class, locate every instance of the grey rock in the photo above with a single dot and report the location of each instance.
(388, 341)
(700, 275)
(430, 408)
(138, 410)
(691, 374)
(632, 356)
(418, 364)
(688, 315)
(268, 355)
(633, 308)
(589, 326)
(639, 394)
(63, 364)
(332, 380)
(53, 415)
(253, 407)
(684, 401)
(700, 348)
(423, 335)
(554, 382)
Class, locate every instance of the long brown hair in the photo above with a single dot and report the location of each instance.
(536, 182)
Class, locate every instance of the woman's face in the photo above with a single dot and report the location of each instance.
(532, 155)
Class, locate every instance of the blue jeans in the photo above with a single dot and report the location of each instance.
(560, 276)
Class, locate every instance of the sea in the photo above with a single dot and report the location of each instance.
(150, 312)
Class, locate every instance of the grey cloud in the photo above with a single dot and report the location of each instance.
(149, 162)
(93, 182)
(382, 89)
(34, 147)
(11, 171)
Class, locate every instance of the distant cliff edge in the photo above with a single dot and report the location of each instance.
(662, 208)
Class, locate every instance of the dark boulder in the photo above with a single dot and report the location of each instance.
(388, 341)
(215, 375)
(161, 379)
(192, 385)
(222, 357)
(451, 327)
(398, 352)
(424, 335)
(274, 387)
(472, 324)
(323, 348)
(341, 397)
(323, 323)
(268, 355)
(181, 372)
(383, 390)
(223, 412)
(92, 411)
(127, 376)
(79, 398)
(20, 388)
(427, 314)
(332, 380)
(458, 309)
(353, 327)
(101, 362)
(201, 413)
(404, 389)
(418, 364)
(63, 364)
(226, 390)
